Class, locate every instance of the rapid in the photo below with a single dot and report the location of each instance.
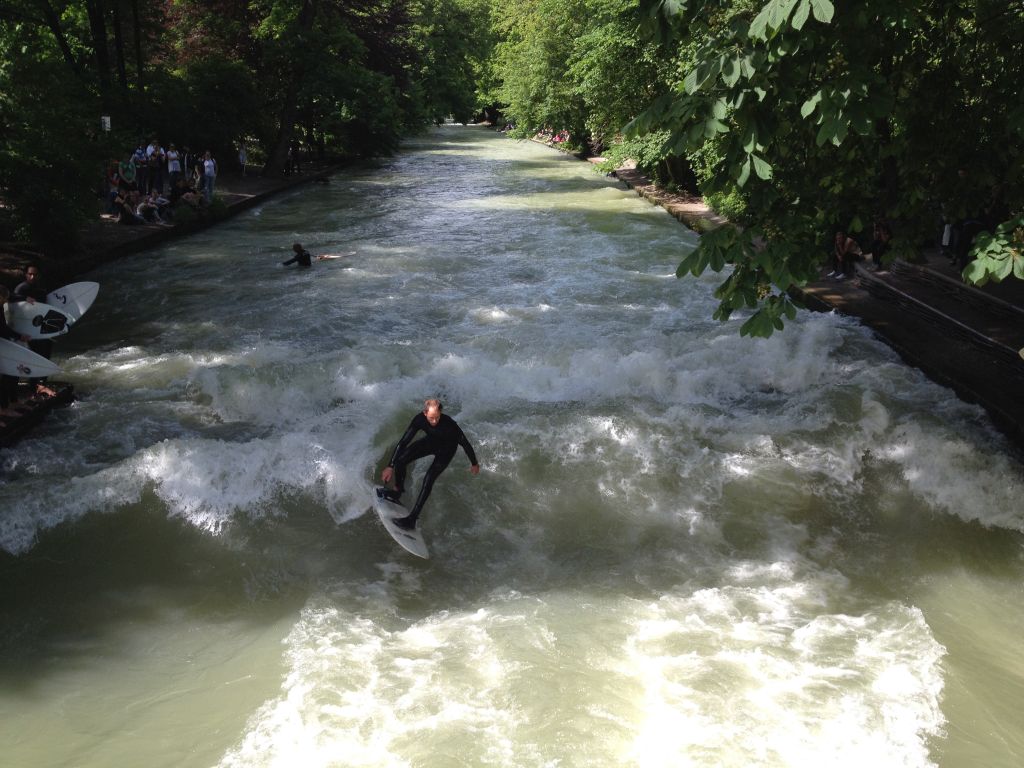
(684, 547)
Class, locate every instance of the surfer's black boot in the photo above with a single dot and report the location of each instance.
(407, 523)
(390, 495)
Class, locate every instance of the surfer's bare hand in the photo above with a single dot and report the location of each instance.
(475, 469)
(385, 476)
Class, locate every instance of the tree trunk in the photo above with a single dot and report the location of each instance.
(137, 33)
(53, 22)
(122, 73)
(98, 30)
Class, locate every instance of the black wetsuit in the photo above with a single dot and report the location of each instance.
(441, 442)
(303, 257)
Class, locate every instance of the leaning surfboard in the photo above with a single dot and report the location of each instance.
(411, 541)
(15, 360)
(74, 299)
(38, 320)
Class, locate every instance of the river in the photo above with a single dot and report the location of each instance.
(684, 548)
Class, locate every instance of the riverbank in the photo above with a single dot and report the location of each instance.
(962, 337)
(104, 240)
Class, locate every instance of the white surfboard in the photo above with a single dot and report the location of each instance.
(16, 360)
(74, 299)
(411, 541)
(37, 320)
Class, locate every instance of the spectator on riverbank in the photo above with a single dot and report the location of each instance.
(155, 162)
(209, 175)
(243, 158)
(141, 168)
(293, 163)
(880, 237)
(184, 194)
(125, 204)
(173, 166)
(188, 163)
(126, 173)
(148, 209)
(113, 186)
(845, 252)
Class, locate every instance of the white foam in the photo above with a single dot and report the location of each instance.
(790, 687)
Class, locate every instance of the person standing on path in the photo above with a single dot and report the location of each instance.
(209, 175)
(173, 166)
(442, 438)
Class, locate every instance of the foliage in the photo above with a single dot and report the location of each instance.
(345, 78)
(48, 146)
(999, 254)
(577, 65)
(819, 116)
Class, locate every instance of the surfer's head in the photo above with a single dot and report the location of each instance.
(432, 410)
(297, 247)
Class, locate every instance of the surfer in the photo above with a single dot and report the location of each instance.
(442, 438)
(304, 258)
(8, 384)
(32, 290)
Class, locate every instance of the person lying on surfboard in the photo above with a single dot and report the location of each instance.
(304, 258)
(442, 438)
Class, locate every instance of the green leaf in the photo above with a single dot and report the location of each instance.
(759, 26)
(780, 12)
(800, 17)
(975, 273)
(691, 264)
(809, 106)
(761, 168)
(826, 132)
(823, 10)
(744, 173)
(1001, 269)
(758, 325)
(731, 72)
(750, 140)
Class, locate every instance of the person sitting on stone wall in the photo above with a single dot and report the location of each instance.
(844, 254)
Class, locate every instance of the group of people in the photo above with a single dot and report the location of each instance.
(548, 136)
(148, 183)
(30, 289)
(846, 251)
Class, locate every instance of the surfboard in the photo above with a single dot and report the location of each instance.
(16, 360)
(37, 320)
(74, 299)
(411, 541)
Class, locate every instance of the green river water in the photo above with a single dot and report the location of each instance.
(684, 548)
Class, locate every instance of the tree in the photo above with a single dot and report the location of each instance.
(819, 116)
